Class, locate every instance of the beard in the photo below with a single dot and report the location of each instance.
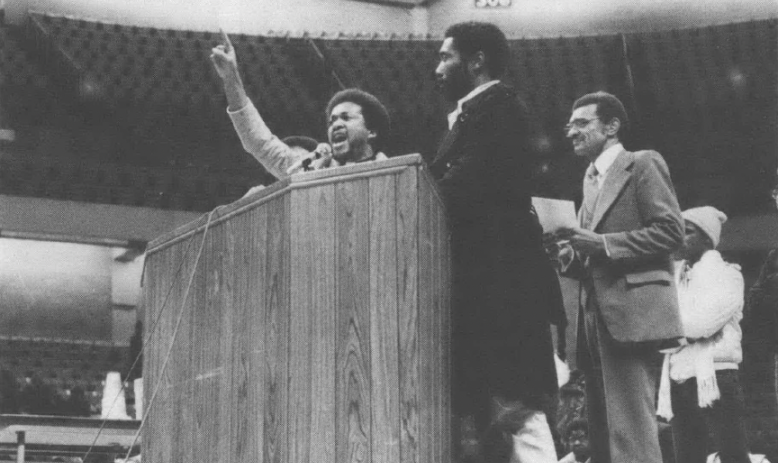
(455, 85)
(352, 150)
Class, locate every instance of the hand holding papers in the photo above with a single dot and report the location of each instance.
(555, 214)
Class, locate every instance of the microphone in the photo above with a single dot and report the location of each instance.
(316, 159)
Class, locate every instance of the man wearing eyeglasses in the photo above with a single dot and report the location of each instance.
(630, 225)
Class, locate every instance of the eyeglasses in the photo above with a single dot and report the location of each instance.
(579, 124)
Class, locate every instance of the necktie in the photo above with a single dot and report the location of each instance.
(590, 193)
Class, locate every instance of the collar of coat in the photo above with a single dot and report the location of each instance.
(496, 91)
(618, 175)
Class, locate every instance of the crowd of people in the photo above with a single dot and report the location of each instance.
(657, 301)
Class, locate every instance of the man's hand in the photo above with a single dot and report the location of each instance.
(323, 153)
(226, 63)
(551, 243)
(559, 252)
(224, 59)
(585, 242)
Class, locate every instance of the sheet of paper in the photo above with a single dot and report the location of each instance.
(555, 213)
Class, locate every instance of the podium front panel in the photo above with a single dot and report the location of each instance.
(315, 327)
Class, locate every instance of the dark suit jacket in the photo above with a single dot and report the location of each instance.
(637, 212)
(504, 287)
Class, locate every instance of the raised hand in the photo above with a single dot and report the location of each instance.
(226, 64)
(224, 59)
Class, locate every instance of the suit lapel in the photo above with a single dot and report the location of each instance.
(468, 108)
(448, 142)
(615, 180)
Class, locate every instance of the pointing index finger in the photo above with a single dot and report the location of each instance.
(226, 41)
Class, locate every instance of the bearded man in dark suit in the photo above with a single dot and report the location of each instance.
(505, 291)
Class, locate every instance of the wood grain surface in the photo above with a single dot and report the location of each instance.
(315, 329)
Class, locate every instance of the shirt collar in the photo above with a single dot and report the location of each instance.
(452, 116)
(605, 160)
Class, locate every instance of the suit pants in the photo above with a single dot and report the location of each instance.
(621, 385)
(490, 401)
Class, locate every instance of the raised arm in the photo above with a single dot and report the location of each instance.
(256, 137)
(226, 63)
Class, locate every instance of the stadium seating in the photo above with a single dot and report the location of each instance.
(708, 97)
(135, 116)
(146, 102)
(61, 366)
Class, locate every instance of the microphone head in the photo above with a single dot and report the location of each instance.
(323, 150)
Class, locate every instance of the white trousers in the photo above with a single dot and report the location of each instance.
(533, 443)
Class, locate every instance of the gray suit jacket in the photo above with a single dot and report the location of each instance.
(638, 214)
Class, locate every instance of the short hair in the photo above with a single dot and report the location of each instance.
(473, 36)
(375, 113)
(577, 424)
(307, 143)
(608, 107)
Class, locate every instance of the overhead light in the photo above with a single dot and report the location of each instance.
(7, 135)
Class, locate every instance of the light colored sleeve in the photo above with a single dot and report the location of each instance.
(259, 141)
(716, 296)
(727, 346)
(253, 190)
(662, 229)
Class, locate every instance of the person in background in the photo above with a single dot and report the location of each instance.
(36, 397)
(702, 377)
(577, 441)
(134, 361)
(9, 392)
(357, 124)
(763, 303)
(301, 142)
(571, 406)
(504, 290)
(303, 146)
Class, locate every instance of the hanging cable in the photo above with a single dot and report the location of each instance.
(173, 338)
(148, 337)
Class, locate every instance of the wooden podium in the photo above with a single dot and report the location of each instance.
(315, 328)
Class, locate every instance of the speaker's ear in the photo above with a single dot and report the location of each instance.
(476, 62)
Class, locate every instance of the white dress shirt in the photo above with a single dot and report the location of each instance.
(452, 116)
(604, 162)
